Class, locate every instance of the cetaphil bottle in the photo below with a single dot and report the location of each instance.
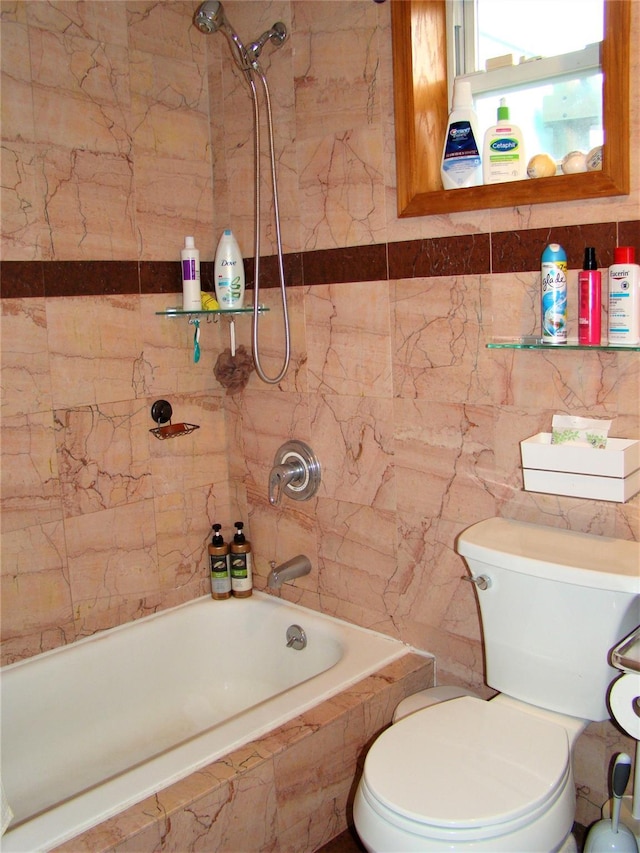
(554, 295)
(503, 157)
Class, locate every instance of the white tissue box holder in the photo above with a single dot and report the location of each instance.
(609, 474)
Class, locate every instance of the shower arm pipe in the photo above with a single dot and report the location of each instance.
(256, 300)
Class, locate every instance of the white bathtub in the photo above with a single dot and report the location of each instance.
(91, 728)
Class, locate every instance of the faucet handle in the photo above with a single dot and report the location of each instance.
(281, 476)
(295, 472)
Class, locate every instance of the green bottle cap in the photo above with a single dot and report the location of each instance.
(503, 110)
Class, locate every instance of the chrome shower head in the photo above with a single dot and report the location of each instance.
(210, 17)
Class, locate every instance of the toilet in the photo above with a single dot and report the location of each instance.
(465, 774)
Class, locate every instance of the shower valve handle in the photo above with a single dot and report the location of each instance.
(295, 473)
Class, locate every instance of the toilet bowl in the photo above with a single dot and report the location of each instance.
(470, 775)
(495, 776)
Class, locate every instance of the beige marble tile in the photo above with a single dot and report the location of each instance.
(88, 200)
(78, 124)
(348, 340)
(17, 99)
(36, 594)
(516, 300)
(353, 436)
(25, 235)
(103, 456)
(94, 344)
(435, 595)
(30, 482)
(164, 30)
(183, 520)
(101, 21)
(357, 553)
(444, 459)
(342, 189)
(198, 459)
(26, 385)
(173, 199)
(218, 821)
(70, 63)
(438, 340)
(318, 772)
(112, 554)
(169, 131)
(335, 69)
(570, 382)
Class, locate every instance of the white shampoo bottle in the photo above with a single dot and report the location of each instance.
(228, 272)
(461, 161)
(190, 258)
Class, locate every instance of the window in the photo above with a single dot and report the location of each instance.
(543, 57)
(418, 33)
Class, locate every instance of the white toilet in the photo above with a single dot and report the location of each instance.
(471, 775)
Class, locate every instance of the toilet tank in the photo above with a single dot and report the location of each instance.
(556, 603)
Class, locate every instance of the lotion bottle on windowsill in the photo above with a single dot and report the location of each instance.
(503, 156)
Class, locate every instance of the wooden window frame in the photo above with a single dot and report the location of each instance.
(421, 113)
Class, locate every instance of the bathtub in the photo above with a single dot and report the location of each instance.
(91, 728)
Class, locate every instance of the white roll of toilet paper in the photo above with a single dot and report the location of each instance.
(624, 696)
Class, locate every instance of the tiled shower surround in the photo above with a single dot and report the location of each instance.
(123, 129)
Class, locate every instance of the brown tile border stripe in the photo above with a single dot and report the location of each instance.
(519, 251)
(441, 256)
(90, 278)
(337, 266)
(470, 254)
(21, 279)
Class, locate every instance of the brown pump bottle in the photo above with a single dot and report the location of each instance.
(219, 565)
(241, 564)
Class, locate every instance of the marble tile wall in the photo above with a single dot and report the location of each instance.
(123, 129)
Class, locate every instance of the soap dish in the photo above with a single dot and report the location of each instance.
(161, 412)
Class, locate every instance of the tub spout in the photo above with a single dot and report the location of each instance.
(296, 567)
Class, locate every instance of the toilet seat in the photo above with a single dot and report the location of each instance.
(466, 767)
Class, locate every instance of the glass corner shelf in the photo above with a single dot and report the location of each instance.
(179, 312)
(532, 342)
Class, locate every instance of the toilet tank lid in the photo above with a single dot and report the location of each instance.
(566, 556)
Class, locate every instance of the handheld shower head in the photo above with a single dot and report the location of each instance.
(276, 35)
(210, 17)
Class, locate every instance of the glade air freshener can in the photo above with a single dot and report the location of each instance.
(554, 295)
